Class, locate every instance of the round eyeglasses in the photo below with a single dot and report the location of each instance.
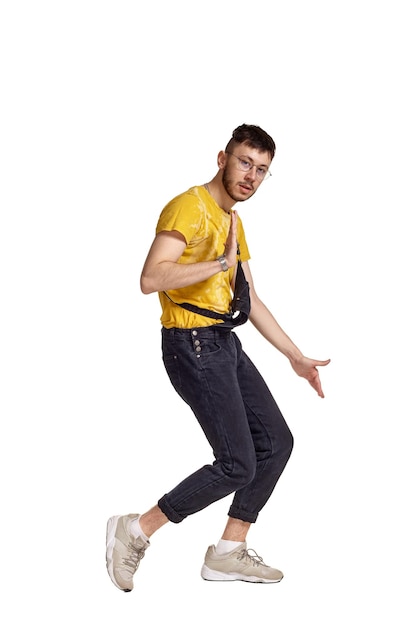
(245, 165)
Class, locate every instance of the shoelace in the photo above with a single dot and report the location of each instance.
(132, 561)
(254, 558)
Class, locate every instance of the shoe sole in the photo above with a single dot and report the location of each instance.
(110, 543)
(214, 575)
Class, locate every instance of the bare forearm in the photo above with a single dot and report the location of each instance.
(266, 324)
(171, 275)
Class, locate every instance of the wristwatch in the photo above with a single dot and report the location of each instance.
(221, 259)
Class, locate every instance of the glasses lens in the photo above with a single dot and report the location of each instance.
(246, 166)
(243, 165)
(263, 175)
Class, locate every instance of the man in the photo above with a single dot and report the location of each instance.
(193, 260)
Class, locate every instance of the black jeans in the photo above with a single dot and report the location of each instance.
(250, 439)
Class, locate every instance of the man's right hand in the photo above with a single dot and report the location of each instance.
(230, 247)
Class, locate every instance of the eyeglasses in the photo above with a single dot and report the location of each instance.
(243, 164)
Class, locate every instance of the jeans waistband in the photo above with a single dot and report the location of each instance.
(209, 332)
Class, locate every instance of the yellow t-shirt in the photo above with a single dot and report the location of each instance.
(204, 226)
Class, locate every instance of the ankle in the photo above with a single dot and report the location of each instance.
(224, 546)
(136, 529)
(152, 521)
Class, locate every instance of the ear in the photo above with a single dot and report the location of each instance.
(222, 159)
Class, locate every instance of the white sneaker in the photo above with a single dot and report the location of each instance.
(124, 551)
(240, 564)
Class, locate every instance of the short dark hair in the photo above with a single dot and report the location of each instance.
(254, 137)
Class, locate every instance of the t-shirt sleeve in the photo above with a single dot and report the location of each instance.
(182, 214)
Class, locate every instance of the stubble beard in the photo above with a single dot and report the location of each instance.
(228, 186)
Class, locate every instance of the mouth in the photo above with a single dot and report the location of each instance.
(245, 187)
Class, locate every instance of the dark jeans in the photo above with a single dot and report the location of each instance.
(250, 439)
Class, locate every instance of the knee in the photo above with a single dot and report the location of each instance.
(241, 471)
(289, 444)
(282, 448)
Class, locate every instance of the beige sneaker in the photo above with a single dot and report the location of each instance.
(124, 552)
(240, 564)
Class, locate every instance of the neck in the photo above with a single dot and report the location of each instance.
(218, 192)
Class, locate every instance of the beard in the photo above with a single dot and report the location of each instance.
(228, 184)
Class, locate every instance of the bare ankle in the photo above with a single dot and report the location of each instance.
(152, 520)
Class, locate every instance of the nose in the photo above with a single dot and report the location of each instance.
(251, 174)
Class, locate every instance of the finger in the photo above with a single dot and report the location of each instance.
(322, 363)
(318, 388)
(316, 384)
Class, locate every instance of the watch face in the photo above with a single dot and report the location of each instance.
(223, 263)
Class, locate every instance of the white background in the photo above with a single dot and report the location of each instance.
(108, 110)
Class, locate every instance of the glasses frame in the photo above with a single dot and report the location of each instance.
(268, 172)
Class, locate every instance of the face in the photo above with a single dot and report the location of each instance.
(239, 184)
